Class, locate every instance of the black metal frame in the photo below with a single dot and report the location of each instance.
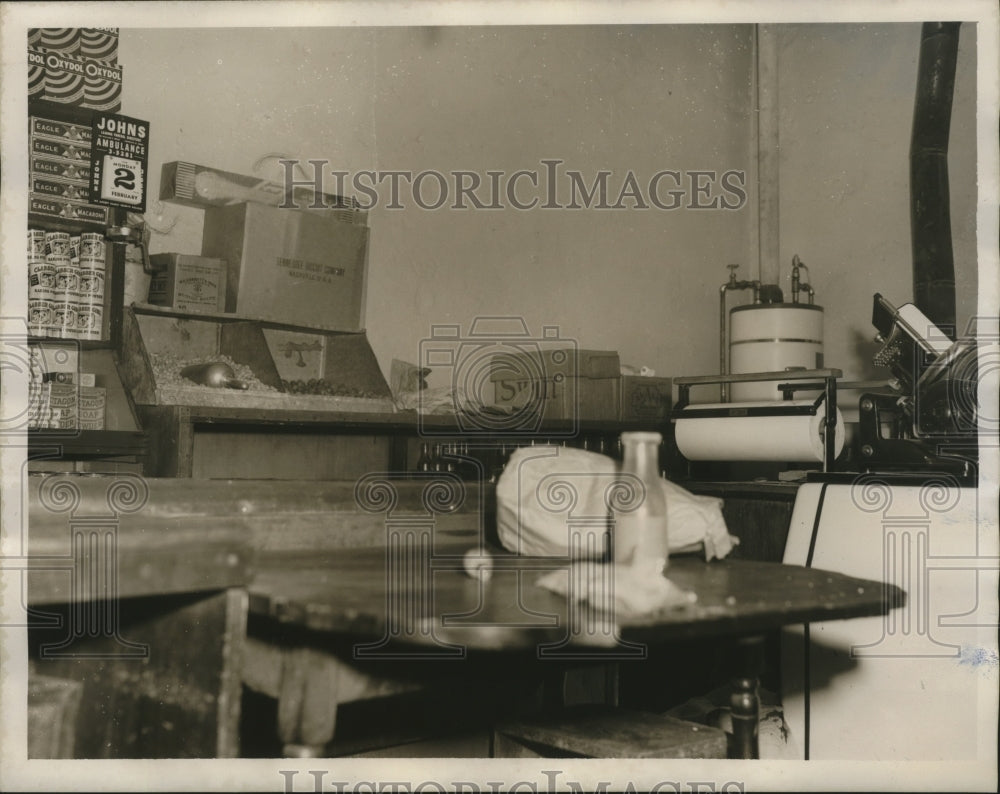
(825, 379)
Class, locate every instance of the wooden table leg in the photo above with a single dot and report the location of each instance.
(744, 700)
(307, 702)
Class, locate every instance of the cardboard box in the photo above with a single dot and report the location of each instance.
(71, 151)
(194, 185)
(645, 399)
(93, 404)
(290, 267)
(60, 131)
(99, 44)
(563, 384)
(74, 79)
(78, 172)
(194, 284)
(69, 210)
(60, 189)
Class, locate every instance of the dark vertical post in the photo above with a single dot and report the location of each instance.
(744, 700)
(930, 217)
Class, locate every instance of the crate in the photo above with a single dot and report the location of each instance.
(290, 267)
(150, 331)
(564, 384)
(193, 284)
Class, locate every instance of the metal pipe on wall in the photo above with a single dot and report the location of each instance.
(767, 133)
(930, 216)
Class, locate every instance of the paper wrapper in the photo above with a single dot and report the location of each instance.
(537, 517)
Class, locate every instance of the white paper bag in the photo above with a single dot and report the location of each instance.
(547, 493)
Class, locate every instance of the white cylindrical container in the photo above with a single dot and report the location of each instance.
(773, 337)
(91, 245)
(41, 279)
(36, 244)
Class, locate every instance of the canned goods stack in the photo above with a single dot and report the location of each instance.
(65, 284)
(38, 408)
(59, 252)
(41, 286)
(90, 311)
(59, 396)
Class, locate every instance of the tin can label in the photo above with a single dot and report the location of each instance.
(65, 318)
(41, 317)
(92, 283)
(36, 244)
(88, 320)
(57, 244)
(67, 277)
(41, 275)
(92, 246)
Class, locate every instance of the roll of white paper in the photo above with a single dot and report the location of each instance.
(756, 438)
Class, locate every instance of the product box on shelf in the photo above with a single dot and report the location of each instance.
(93, 404)
(55, 405)
(74, 79)
(63, 150)
(99, 44)
(645, 398)
(189, 283)
(290, 267)
(559, 384)
(60, 131)
(72, 171)
(90, 214)
(60, 189)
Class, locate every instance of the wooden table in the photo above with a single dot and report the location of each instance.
(136, 618)
(411, 603)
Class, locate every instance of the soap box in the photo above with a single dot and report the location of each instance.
(195, 284)
(559, 384)
(645, 398)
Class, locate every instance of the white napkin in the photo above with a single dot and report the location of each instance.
(620, 589)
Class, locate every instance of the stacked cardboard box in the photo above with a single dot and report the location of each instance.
(75, 66)
(195, 284)
(60, 172)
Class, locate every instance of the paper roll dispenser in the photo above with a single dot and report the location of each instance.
(799, 420)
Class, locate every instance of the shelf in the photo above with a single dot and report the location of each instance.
(230, 317)
(406, 422)
(53, 224)
(55, 444)
(84, 344)
(59, 111)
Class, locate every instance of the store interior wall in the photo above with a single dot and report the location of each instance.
(611, 98)
(846, 97)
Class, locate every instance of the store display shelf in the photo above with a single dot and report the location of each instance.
(86, 443)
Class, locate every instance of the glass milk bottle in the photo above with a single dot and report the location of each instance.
(641, 533)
